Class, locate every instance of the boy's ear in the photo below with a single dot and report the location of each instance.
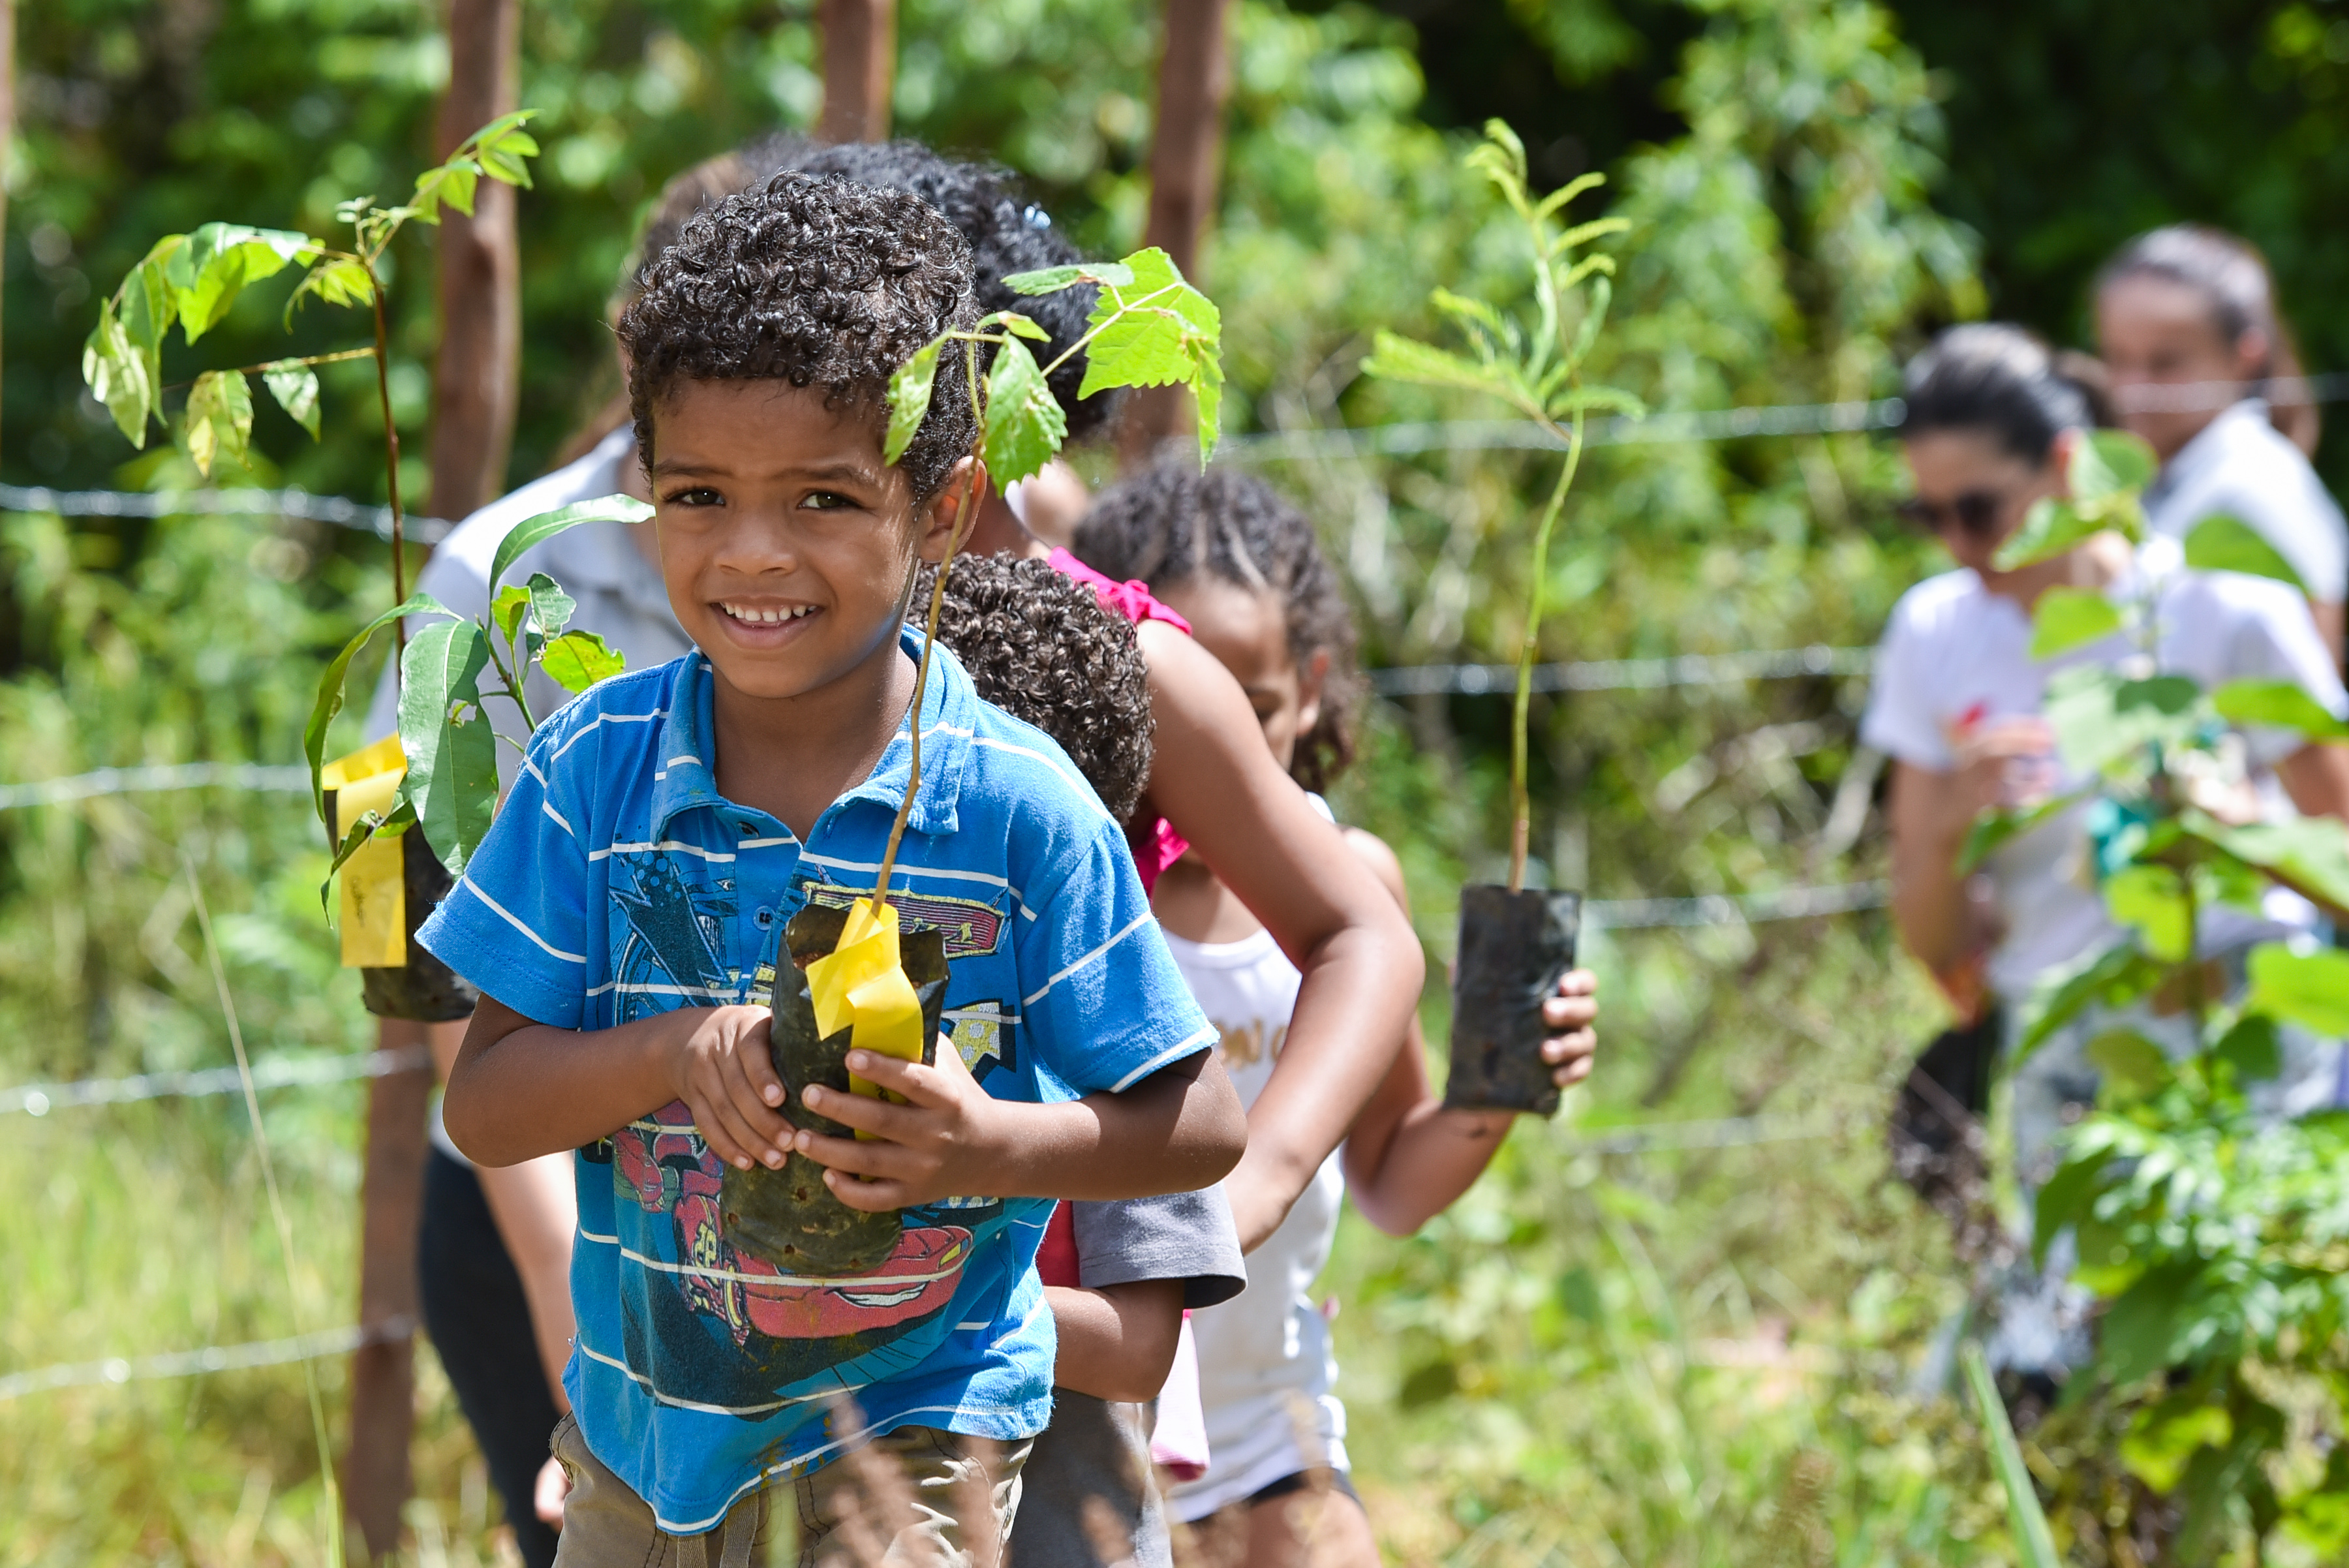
(942, 516)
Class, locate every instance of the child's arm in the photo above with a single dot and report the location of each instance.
(1410, 1155)
(1116, 1342)
(1216, 782)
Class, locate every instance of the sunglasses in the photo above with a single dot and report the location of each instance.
(1977, 511)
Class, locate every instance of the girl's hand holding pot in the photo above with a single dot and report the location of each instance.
(1573, 1048)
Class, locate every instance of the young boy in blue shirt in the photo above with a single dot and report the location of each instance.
(623, 919)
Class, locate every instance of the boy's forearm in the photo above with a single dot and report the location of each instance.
(1117, 1341)
(517, 1092)
(1178, 1131)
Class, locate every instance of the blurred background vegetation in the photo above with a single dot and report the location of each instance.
(1694, 1358)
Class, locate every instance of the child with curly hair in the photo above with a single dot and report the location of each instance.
(622, 918)
(1242, 566)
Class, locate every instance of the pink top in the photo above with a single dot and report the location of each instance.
(1154, 843)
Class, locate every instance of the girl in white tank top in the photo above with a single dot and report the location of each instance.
(1242, 566)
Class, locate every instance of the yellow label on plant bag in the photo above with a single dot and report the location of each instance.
(861, 982)
(375, 886)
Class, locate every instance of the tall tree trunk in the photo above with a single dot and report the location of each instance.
(860, 61)
(375, 1476)
(474, 382)
(1185, 152)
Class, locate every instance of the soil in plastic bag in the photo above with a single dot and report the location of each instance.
(1513, 949)
(788, 1216)
(423, 989)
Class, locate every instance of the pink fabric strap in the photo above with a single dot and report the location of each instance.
(1154, 843)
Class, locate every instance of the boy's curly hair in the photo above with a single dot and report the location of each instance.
(1171, 523)
(818, 282)
(1007, 233)
(1043, 648)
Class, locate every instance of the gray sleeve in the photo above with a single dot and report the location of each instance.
(1186, 1236)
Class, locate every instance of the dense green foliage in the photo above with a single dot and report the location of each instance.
(1691, 1356)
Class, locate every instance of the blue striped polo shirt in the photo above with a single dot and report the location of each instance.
(618, 883)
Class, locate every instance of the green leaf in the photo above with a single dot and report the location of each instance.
(533, 531)
(1207, 390)
(2067, 618)
(452, 183)
(1018, 325)
(2141, 1332)
(2101, 719)
(2283, 704)
(2061, 1201)
(2222, 543)
(2001, 826)
(330, 688)
(2252, 1048)
(294, 385)
(212, 269)
(2152, 900)
(402, 817)
(1598, 399)
(506, 610)
(550, 607)
(1052, 279)
(2034, 1542)
(341, 280)
(2050, 528)
(116, 375)
(2115, 977)
(2309, 855)
(1024, 424)
(2110, 462)
(577, 659)
(2164, 1436)
(453, 758)
(1156, 331)
(2130, 1063)
(219, 418)
(909, 398)
(501, 145)
(1398, 359)
(2310, 989)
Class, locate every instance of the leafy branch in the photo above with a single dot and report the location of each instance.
(1149, 328)
(1535, 369)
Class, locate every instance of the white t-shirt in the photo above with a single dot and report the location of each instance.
(1957, 655)
(2240, 463)
(619, 593)
(1265, 1362)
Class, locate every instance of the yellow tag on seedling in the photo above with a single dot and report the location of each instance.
(375, 884)
(861, 982)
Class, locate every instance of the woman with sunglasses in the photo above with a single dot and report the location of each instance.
(1991, 424)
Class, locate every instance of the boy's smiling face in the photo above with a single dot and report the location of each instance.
(785, 540)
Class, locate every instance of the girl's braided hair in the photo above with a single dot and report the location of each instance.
(1044, 648)
(1171, 523)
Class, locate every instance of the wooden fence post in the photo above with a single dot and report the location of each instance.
(1186, 150)
(375, 1476)
(475, 387)
(860, 61)
(474, 380)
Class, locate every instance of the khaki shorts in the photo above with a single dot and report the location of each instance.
(908, 1498)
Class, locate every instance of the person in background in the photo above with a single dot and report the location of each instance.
(1242, 566)
(2186, 322)
(1989, 428)
(493, 1258)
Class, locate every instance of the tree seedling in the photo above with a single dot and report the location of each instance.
(2214, 1234)
(1515, 945)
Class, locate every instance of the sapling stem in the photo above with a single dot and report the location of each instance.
(1520, 800)
(390, 463)
(964, 518)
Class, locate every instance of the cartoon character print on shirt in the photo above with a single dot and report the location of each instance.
(734, 1331)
